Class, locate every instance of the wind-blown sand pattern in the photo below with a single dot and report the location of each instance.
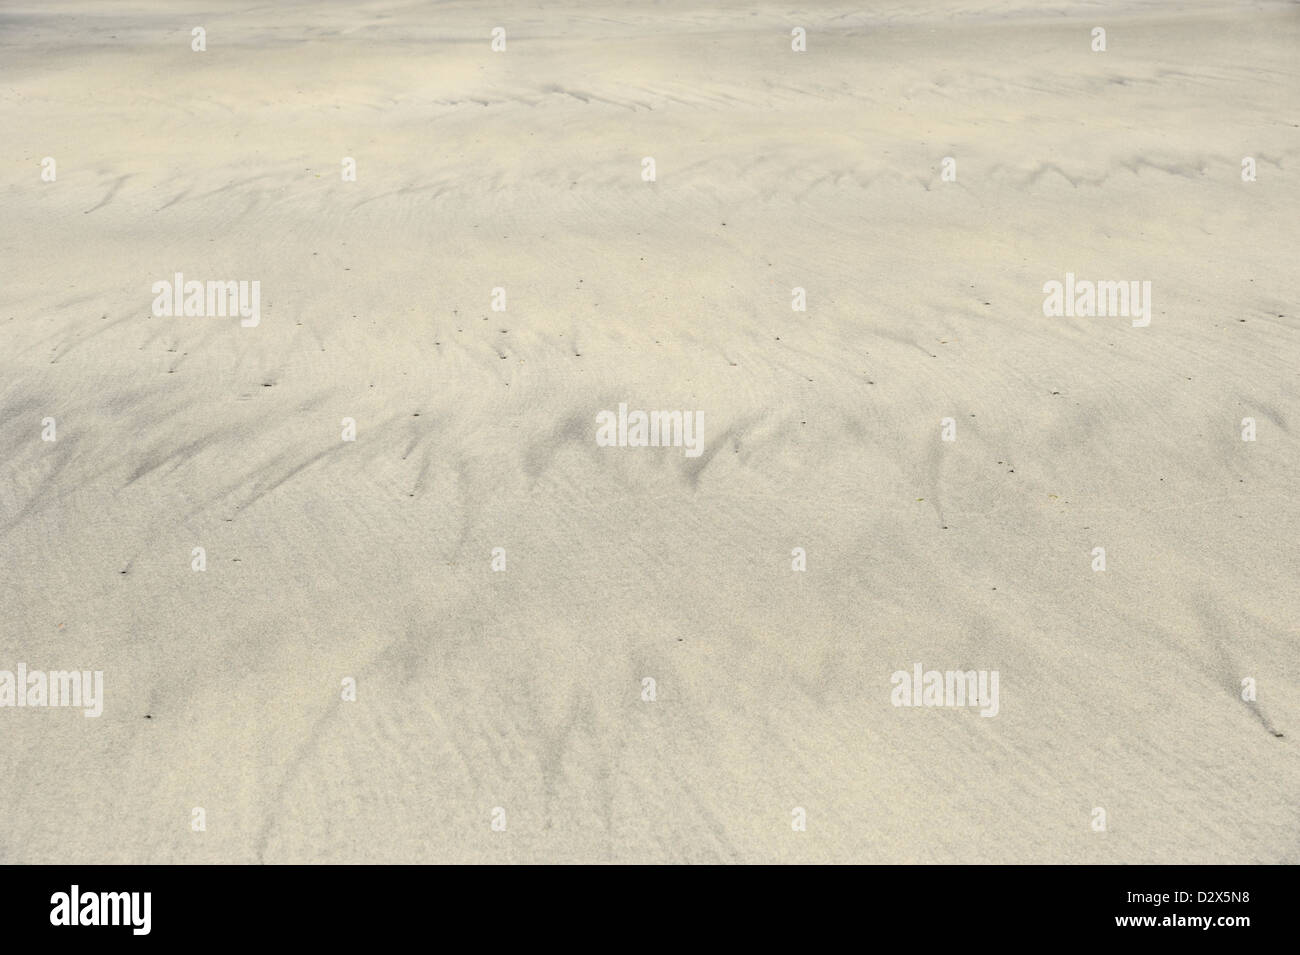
(475, 429)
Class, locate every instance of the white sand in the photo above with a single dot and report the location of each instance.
(522, 689)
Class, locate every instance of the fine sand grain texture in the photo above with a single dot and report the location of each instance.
(522, 689)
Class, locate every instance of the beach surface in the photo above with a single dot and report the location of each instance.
(517, 696)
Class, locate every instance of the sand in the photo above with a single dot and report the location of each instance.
(521, 689)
